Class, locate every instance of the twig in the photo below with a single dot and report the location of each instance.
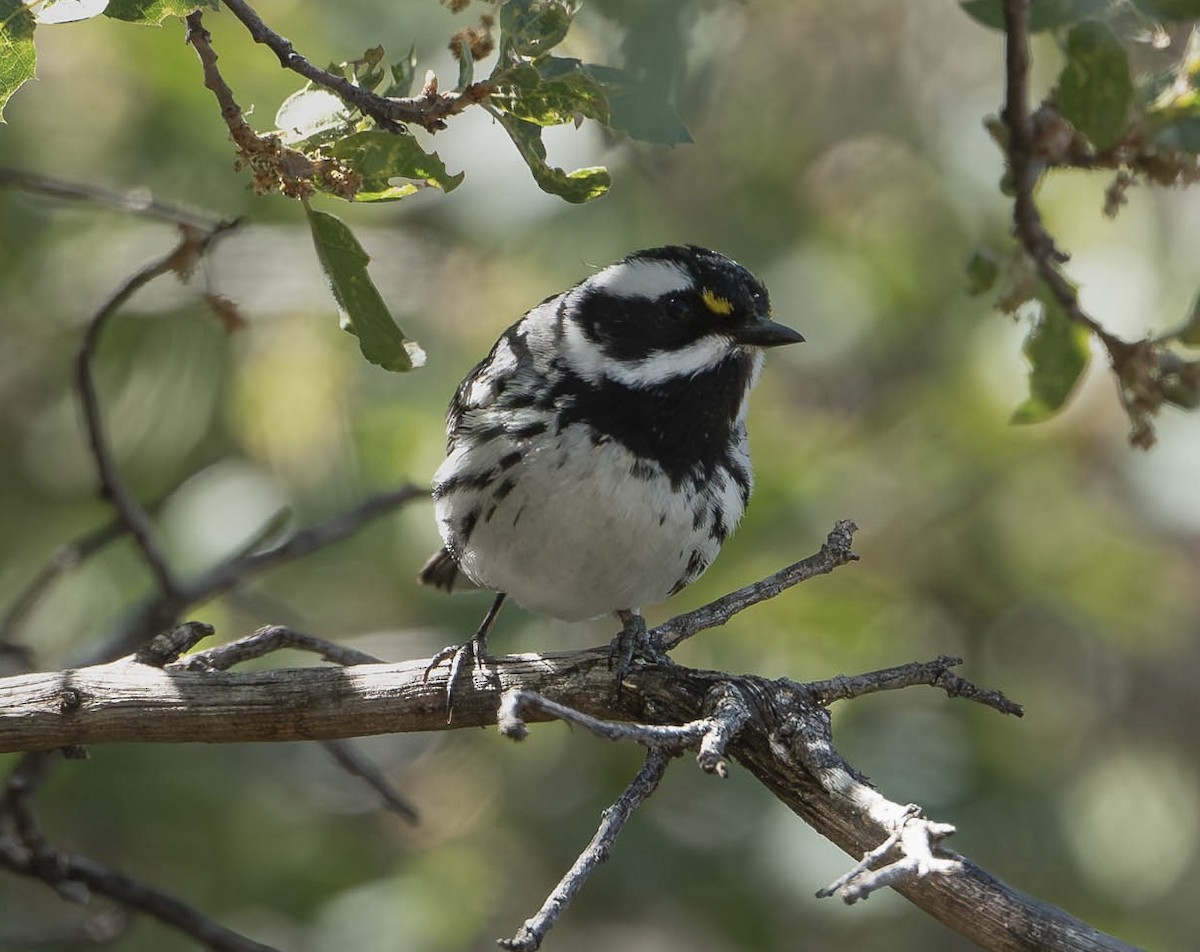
(68, 556)
(916, 838)
(267, 639)
(836, 551)
(163, 610)
(352, 760)
(612, 821)
(516, 703)
(935, 673)
(429, 110)
(164, 648)
(75, 877)
(135, 202)
(112, 487)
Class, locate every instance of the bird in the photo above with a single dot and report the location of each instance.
(597, 457)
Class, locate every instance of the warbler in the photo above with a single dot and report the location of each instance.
(597, 458)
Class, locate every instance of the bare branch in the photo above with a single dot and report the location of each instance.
(112, 488)
(76, 877)
(266, 640)
(934, 673)
(612, 821)
(355, 763)
(835, 552)
(134, 202)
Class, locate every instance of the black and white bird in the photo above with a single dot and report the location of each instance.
(597, 457)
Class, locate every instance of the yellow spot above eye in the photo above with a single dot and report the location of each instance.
(715, 303)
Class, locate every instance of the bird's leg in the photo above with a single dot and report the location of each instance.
(631, 641)
(475, 648)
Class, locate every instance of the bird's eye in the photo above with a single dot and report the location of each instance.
(676, 306)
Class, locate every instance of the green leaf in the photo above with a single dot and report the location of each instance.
(466, 67)
(551, 92)
(1095, 88)
(1189, 332)
(983, 268)
(18, 58)
(1170, 9)
(1179, 135)
(380, 157)
(1057, 350)
(361, 306)
(577, 187)
(639, 109)
(1043, 14)
(534, 27)
(403, 73)
(153, 12)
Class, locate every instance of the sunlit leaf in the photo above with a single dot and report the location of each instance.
(1095, 88)
(553, 91)
(581, 185)
(153, 12)
(66, 11)
(18, 59)
(1057, 351)
(310, 117)
(534, 27)
(1043, 14)
(380, 157)
(362, 309)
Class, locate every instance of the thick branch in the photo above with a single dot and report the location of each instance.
(785, 744)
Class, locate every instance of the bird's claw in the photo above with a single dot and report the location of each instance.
(632, 641)
(457, 655)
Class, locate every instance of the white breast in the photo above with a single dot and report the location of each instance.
(588, 529)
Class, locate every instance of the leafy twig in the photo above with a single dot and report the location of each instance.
(429, 110)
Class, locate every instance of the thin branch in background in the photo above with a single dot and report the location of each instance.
(112, 488)
(163, 610)
(138, 201)
(934, 673)
(835, 552)
(355, 763)
(429, 110)
(105, 881)
(613, 820)
(68, 556)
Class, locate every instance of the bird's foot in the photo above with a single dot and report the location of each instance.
(632, 641)
(458, 655)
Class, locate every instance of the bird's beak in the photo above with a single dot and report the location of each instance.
(765, 332)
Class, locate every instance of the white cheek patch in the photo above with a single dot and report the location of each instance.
(661, 365)
(582, 355)
(648, 279)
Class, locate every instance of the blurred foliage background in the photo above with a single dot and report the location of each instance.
(839, 152)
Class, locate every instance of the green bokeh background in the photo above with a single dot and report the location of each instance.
(839, 152)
